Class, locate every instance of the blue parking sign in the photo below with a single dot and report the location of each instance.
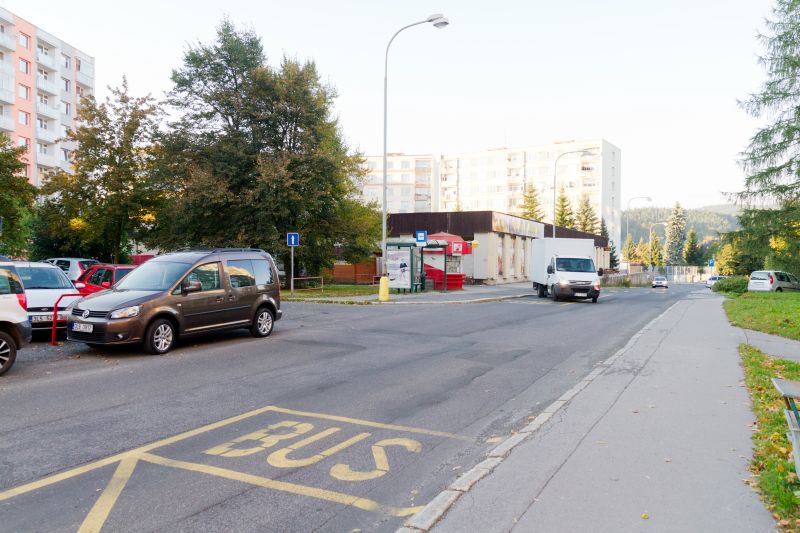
(292, 239)
(421, 236)
(711, 262)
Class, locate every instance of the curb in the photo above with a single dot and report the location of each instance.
(432, 513)
(449, 302)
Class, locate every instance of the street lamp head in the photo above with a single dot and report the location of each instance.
(438, 20)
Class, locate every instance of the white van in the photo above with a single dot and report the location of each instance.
(564, 268)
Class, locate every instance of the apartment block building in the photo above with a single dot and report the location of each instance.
(410, 182)
(497, 179)
(42, 79)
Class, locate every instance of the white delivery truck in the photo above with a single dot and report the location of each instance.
(564, 268)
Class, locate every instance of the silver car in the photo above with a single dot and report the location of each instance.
(660, 281)
(772, 281)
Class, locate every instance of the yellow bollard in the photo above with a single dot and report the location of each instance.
(383, 289)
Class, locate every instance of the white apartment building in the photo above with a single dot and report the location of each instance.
(496, 179)
(42, 79)
(410, 182)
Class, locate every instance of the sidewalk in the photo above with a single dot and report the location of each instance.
(657, 440)
(773, 345)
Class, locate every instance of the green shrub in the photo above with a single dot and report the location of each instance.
(626, 281)
(732, 285)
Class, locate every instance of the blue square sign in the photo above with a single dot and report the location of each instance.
(292, 239)
(421, 236)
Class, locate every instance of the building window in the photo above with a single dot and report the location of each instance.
(24, 66)
(78, 63)
(43, 98)
(65, 85)
(24, 92)
(23, 142)
(422, 163)
(389, 164)
(41, 148)
(43, 50)
(66, 61)
(41, 124)
(405, 164)
(64, 154)
(79, 91)
(66, 108)
(24, 118)
(24, 40)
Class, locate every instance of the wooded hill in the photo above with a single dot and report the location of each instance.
(708, 221)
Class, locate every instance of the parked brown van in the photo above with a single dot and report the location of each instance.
(181, 294)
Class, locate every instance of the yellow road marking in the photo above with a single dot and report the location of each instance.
(94, 521)
(303, 490)
(280, 459)
(345, 473)
(265, 436)
(371, 424)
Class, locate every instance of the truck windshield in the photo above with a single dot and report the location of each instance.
(574, 264)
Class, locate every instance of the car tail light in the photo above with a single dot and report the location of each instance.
(23, 301)
(771, 279)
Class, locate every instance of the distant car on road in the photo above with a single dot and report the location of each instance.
(772, 281)
(660, 281)
(72, 266)
(713, 279)
(15, 328)
(100, 277)
(44, 284)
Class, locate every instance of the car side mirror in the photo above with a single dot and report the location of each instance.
(549, 269)
(106, 284)
(599, 271)
(79, 285)
(191, 286)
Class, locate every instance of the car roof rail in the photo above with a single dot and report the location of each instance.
(218, 250)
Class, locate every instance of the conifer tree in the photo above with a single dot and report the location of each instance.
(629, 249)
(676, 236)
(642, 251)
(531, 205)
(692, 251)
(564, 216)
(586, 218)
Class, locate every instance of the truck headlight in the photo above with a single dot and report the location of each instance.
(564, 283)
(126, 312)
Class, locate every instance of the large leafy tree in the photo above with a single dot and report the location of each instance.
(564, 216)
(586, 218)
(676, 236)
(531, 204)
(16, 198)
(110, 195)
(256, 153)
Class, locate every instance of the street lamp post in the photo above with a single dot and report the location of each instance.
(628, 215)
(555, 173)
(439, 21)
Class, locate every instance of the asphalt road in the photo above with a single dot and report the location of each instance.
(346, 418)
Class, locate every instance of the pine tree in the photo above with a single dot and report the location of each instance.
(676, 236)
(629, 249)
(613, 260)
(642, 251)
(564, 216)
(692, 251)
(656, 252)
(586, 218)
(531, 205)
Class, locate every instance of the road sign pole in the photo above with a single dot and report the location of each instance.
(291, 277)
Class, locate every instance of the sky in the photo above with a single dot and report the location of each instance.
(660, 80)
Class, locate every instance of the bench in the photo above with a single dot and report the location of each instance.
(790, 390)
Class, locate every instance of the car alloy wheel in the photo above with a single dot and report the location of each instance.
(263, 323)
(162, 337)
(159, 337)
(8, 352)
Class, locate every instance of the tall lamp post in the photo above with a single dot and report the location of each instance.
(555, 173)
(439, 21)
(628, 215)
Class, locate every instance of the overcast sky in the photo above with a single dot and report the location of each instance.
(658, 79)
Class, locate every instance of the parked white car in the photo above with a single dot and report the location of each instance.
(772, 280)
(15, 329)
(73, 267)
(44, 283)
(713, 279)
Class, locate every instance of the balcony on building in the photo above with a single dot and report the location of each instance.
(6, 123)
(6, 95)
(7, 68)
(46, 61)
(46, 160)
(46, 110)
(49, 136)
(8, 42)
(47, 86)
(84, 79)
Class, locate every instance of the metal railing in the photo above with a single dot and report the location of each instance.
(55, 315)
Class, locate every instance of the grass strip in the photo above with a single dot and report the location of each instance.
(773, 466)
(330, 291)
(777, 313)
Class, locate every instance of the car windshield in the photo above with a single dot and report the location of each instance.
(759, 275)
(153, 276)
(574, 264)
(661, 278)
(86, 264)
(43, 278)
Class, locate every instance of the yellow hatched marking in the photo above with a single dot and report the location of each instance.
(303, 490)
(94, 521)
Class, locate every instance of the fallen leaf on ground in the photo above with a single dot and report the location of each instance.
(645, 516)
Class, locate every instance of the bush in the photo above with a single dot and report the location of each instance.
(626, 281)
(732, 285)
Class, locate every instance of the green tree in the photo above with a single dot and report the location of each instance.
(613, 258)
(642, 251)
(531, 205)
(726, 261)
(564, 215)
(257, 153)
(16, 198)
(676, 236)
(110, 195)
(692, 251)
(586, 218)
(629, 249)
(655, 257)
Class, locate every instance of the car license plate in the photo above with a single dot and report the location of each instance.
(41, 318)
(85, 328)
(580, 294)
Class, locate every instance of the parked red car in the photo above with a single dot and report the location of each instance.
(100, 277)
